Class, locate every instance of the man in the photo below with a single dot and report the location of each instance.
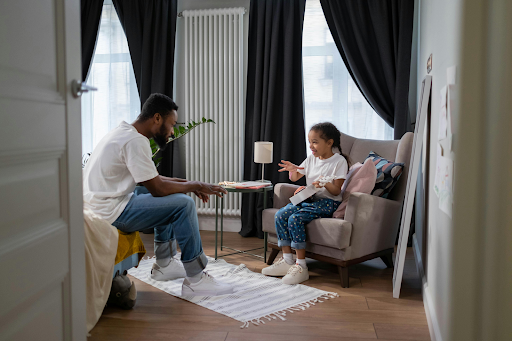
(122, 159)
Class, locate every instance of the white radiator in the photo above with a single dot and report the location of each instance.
(214, 89)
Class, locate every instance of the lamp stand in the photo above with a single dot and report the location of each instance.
(263, 173)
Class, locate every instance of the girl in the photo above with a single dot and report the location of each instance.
(325, 162)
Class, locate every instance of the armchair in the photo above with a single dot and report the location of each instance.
(371, 223)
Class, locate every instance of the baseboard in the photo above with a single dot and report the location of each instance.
(207, 223)
(433, 322)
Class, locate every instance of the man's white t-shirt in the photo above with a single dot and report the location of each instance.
(335, 166)
(120, 160)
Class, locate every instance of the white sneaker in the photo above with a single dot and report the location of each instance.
(297, 274)
(280, 268)
(207, 286)
(172, 271)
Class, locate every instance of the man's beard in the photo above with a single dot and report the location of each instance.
(161, 139)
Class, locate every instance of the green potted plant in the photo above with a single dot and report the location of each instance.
(179, 131)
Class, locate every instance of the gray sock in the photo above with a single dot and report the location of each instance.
(174, 247)
(162, 253)
(195, 278)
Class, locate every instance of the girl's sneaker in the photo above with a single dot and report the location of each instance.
(297, 274)
(280, 268)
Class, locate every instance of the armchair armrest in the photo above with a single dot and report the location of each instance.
(282, 194)
(375, 222)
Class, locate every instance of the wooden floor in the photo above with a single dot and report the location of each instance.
(364, 311)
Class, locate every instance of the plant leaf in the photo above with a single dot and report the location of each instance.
(180, 131)
(154, 146)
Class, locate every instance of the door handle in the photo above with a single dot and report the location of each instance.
(78, 88)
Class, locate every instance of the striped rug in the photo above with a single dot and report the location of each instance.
(257, 298)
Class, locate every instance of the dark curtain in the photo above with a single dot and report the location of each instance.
(150, 28)
(374, 39)
(274, 103)
(90, 15)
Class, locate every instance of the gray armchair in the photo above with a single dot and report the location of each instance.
(371, 223)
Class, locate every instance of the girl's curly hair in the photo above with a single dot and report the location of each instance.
(329, 131)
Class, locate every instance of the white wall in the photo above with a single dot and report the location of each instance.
(439, 35)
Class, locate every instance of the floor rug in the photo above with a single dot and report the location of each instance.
(257, 298)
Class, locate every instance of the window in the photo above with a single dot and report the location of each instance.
(330, 94)
(111, 71)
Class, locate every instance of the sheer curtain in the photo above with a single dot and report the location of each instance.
(117, 98)
(330, 94)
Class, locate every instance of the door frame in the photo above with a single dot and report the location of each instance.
(68, 15)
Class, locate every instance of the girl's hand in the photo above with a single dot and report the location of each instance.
(299, 189)
(317, 184)
(288, 166)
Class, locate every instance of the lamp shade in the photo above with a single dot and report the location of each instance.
(263, 152)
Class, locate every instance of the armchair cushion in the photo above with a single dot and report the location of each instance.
(375, 222)
(388, 174)
(282, 194)
(362, 181)
(267, 219)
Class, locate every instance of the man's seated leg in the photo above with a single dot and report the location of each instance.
(186, 228)
(173, 215)
(145, 211)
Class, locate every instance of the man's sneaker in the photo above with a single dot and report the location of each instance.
(172, 271)
(280, 268)
(297, 274)
(207, 286)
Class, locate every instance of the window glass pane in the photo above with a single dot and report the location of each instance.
(111, 71)
(330, 94)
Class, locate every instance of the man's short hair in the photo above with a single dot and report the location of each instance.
(157, 103)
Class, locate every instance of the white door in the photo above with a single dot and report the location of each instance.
(42, 284)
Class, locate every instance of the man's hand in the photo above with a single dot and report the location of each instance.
(209, 189)
(204, 197)
(161, 186)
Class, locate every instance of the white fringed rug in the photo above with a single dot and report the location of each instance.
(256, 298)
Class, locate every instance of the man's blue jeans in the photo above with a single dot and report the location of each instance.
(174, 218)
